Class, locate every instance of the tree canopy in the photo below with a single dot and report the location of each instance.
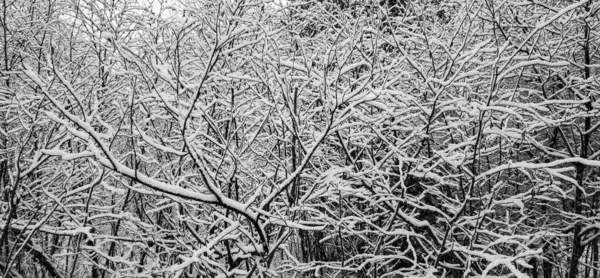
(321, 138)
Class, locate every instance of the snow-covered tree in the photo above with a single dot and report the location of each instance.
(310, 138)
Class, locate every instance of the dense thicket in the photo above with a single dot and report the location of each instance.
(310, 138)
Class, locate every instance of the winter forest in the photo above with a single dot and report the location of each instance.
(299, 138)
